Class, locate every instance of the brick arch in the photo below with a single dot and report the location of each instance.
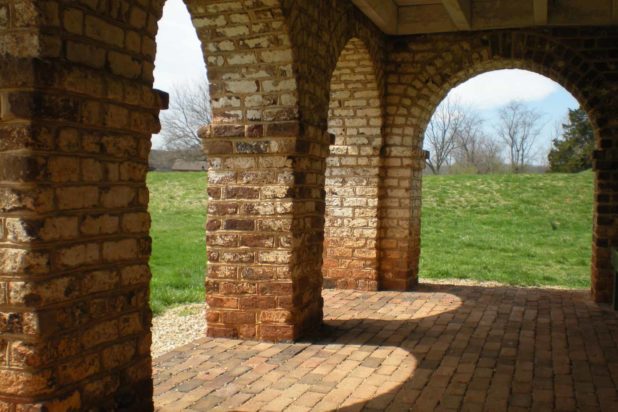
(516, 51)
(364, 37)
(78, 114)
(255, 227)
(247, 51)
(316, 55)
(473, 54)
(352, 172)
(452, 60)
(479, 68)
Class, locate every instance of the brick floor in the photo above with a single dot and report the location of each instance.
(438, 348)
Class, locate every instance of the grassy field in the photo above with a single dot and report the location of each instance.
(515, 229)
(178, 209)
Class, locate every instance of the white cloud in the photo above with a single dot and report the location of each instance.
(497, 88)
(179, 55)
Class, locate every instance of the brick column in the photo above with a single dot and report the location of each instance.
(74, 311)
(605, 220)
(353, 173)
(400, 217)
(75, 125)
(259, 283)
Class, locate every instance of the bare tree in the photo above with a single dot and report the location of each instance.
(519, 127)
(469, 139)
(189, 110)
(475, 151)
(441, 134)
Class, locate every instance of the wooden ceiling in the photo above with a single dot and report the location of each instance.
(402, 17)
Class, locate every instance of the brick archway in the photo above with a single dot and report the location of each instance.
(78, 109)
(352, 172)
(252, 145)
(78, 113)
(447, 61)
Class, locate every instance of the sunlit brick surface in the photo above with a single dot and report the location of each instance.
(442, 347)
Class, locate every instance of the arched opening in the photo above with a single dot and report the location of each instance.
(177, 184)
(410, 105)
(352, 173)
(493, 213)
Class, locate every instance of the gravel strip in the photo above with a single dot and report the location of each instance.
(177, 327)
(488, 284)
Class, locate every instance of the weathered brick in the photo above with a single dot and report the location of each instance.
(78, 369)
(117, 355)
(275, 316)
(78, 255)
(232, 192)
(239, 224)
(99, 333)
(218, 147)
(263, 241)
(120, 250)
(81, 197)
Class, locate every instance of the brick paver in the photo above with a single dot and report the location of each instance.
(440, 347)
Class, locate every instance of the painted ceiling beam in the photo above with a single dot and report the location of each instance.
(384, 13)
(460, 13)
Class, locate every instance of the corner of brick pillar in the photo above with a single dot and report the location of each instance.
(253, 236)
(400, 217)
(605, 235)
(74, 314)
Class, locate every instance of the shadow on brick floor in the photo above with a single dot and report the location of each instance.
(439, 348)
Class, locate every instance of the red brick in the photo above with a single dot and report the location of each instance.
(239, 224)
(228, 131)
(276, 333)
(245, 317)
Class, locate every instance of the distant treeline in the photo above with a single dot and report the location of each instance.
(164, 159)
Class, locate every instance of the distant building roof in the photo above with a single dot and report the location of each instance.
(189, 165)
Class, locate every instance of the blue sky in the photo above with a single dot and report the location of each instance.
(555, 107)
(488, 92)
(179, 61)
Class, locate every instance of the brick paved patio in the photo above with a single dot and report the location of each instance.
(441, 347)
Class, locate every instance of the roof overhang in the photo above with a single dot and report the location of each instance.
(404, 17)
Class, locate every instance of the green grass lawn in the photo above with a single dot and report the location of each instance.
(178, 209)
(515, 229)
